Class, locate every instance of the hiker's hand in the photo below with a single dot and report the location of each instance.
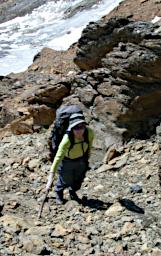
(50, 181)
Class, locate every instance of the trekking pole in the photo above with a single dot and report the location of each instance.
(44, 200)
(42, 204)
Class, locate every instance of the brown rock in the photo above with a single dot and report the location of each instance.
(60, 231)
(111, 153)
(49, 61)
(33, 244)
(14, 223)
(42, 115)
(22, 126)
(137, 10)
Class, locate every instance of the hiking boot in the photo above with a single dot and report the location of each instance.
(59, 197)
(73, 196)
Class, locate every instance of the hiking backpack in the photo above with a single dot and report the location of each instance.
(60, 126)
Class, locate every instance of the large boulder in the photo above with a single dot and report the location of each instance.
(32, 103)
(121, 60)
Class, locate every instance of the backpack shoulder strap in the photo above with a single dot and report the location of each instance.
(86, 139)
(71, 138)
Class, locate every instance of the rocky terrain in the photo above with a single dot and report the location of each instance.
(138, 10)
(121, 211)
(113, 72)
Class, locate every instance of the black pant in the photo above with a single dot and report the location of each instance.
(71, 174)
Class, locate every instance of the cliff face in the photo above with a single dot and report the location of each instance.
(129, 54)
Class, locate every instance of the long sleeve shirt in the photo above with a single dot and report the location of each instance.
(77, 150)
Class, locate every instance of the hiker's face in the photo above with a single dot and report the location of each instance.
(78, 130)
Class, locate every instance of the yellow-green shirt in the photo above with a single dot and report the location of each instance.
(77, 150)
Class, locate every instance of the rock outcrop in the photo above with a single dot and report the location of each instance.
(145, 10)
(118, 85)
(129, 53)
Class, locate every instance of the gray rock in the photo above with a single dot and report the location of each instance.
(136, 188)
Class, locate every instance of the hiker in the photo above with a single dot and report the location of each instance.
(71, 159)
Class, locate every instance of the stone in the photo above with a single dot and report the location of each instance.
(119, 161)
(42, 115)
(136, 188)
(127, 228)
(59, 231)
(156, 252)
(42, 231)
(104, 168)
(21, 127)
(34, 244)
(82, 239)
(111, 153)
(34, 163)
(14, 224)
(99, 187)
(114, 210)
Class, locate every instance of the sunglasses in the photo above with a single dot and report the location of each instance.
(79, 127)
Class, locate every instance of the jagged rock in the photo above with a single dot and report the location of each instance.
(130, 51)
(119, 161)
(49, 61)
(111, 153)
(42, 115)
(50, 94)
(21, 126)
(96, 41)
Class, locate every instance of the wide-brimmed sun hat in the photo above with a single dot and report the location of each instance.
(76, 119)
